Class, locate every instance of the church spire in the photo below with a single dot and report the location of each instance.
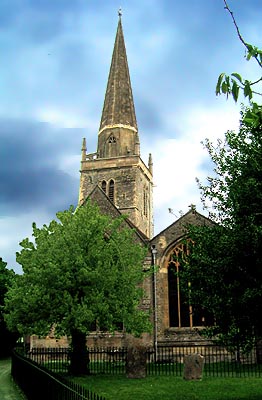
(119, 105)
(117, 167)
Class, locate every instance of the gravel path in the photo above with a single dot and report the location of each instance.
(8, 390)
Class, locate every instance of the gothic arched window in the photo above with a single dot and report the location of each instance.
(145, 205)
(112, 139)
(111, 190)
(111, 146)
(181, 312)
(104, 186)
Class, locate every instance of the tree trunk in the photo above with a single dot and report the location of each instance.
(259, 351)
(79, 354)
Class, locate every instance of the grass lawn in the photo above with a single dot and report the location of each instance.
(173, 388)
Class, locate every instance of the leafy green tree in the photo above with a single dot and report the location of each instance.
(81, 270)
(224, 262)
(7, 338)
(225, 259)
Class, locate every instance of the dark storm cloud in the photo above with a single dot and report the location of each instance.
(30, 141)
(43, 188)
(30, 177)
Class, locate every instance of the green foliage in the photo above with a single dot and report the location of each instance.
(232, 84)
(6, 278)
(237, 164)
(224, 264)
(81, 270)
(227, 85)
(253, 117)
(7, 338)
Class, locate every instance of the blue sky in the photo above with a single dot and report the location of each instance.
(55, 59)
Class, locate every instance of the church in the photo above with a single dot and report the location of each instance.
(120, 182)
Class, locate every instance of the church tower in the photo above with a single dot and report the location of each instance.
(116, 167)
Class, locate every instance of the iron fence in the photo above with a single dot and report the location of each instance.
(167, 360)
(218, 360)
(39, 383)
(54, 359)
(107, 360)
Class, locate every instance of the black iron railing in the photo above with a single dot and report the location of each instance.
(218, 360)
(168, 360)
(37, 382)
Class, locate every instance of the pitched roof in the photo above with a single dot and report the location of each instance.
(178, 228)
(119, 105)
(107, 207)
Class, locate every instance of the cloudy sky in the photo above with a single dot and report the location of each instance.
(55, 59)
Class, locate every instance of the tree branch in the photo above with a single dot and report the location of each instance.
(238, 31)
(254, 83)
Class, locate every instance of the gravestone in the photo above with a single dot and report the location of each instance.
(136, 362)
(193, 367)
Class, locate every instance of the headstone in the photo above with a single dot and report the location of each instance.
(136, 362)
(193, 367)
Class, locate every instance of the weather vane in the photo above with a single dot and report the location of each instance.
(120, 12)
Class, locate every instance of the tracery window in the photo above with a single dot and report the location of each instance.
(111, 147)
(181, 312)
(112, 139)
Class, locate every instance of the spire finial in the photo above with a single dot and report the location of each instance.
(120, 12)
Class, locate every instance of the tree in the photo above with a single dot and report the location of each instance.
(224, 261)
(7, 338)
(81, 270)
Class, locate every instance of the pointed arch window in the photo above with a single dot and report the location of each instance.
(111, 190)
(111, 146)
(104, 186)
(181, 312)
(145, 202)
(112, 139)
